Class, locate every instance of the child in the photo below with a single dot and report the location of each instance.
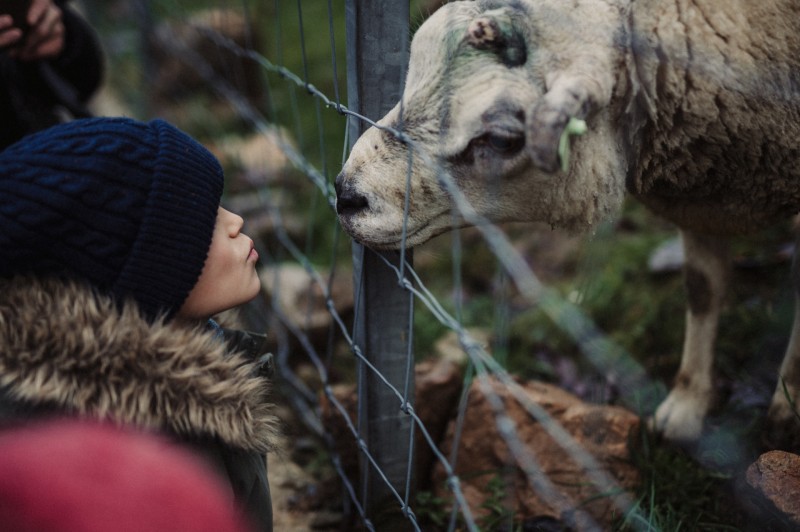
(114, 255)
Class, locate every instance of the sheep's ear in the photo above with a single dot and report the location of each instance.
(495, 33)
(569, 101)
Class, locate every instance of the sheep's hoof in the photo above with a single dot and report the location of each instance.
(679, 419)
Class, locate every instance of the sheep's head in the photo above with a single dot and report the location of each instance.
(490, 89)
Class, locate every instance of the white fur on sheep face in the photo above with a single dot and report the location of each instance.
(472, 86)
(692, 106)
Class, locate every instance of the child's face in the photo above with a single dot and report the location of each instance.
(229, 276)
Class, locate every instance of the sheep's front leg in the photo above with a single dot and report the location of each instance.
(680, 417)
(783, 426)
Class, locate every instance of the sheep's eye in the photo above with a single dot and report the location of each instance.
(504, 144)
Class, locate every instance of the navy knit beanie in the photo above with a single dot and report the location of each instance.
(128, 206)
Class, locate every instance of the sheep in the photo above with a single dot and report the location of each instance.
(691, 106)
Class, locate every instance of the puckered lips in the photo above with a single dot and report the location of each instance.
(252, 254)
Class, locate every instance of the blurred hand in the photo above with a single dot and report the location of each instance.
(8, 33)
(44, 40)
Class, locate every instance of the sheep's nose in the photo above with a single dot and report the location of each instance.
(348, 201)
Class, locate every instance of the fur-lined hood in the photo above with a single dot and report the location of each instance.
(63, 345)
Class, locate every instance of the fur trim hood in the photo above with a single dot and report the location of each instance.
(63, 345)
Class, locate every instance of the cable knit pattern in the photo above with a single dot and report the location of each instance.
(128, 206)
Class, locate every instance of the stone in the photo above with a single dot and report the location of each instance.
(603, 431)
(301, 298)
(175, 45)
(776, 475)
(342, 438)
(448, 347)
(485, 459)
(256, 160)
(668, 257)
(438, 386)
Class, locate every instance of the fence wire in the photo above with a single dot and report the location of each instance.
(301, 119)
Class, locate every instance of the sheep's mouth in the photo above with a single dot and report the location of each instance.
(414, 234)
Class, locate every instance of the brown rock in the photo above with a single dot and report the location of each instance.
(489, 473)
(438, 385)
(302, 299)
(257, 160)
(776, 475)
(448, 347)
(176, 45)
(337, 427)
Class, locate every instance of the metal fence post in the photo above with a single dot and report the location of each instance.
(377, 57)
(143, 11)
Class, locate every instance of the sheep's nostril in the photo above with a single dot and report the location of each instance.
(349, 202)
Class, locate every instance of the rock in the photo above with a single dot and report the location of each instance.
(483, 455)
(261, 222)
(438, 386)
(668, 257)
(603, 431)
(336, 427)
(448, 347)
(259, 160)
(175, 46)
(258, 183)
(776, 475)
(302, 299)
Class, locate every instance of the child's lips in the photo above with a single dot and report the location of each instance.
(253, 255)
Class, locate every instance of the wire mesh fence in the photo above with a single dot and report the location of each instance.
(280, 90)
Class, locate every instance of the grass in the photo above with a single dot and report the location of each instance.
(676, 494)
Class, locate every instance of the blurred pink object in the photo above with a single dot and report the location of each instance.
(70, 476)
